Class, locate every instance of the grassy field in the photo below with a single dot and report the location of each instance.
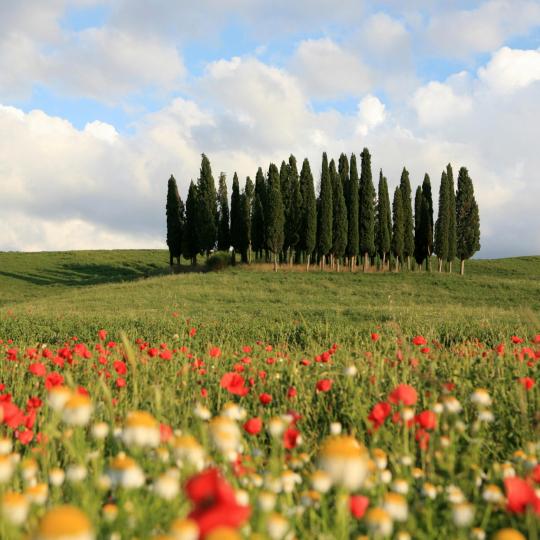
(50, 296)
(248, 404)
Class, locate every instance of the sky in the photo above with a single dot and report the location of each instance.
(101, 101)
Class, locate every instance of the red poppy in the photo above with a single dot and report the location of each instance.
(292, 392)
(253, 426)
(25, 436)
(379, 413)
(519, 494)
(165, 433)
(403, 393)
(214, 502)
(419, 340)
(265, 399)
(192, 332)
(234, 383)
(214, 352)
(102, 334)
(120, 382)
(53, 379)
(120, 367)
(358, 505)
(517, 339)
(291, 437)
(427, 420)
(38, 369)
(324, 385)
(375, 336)
(526, 382)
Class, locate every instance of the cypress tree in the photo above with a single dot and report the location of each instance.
(367, 209)
(428, 196)
(207, 214)
(343, 170)
(286, 199)
(246, 221)
(275, 217)
(452, 232)
(293, 212)
(419, 228)
(308, 227)
(325, 212)
(467, 219)
(339, 216)
(441, 225)
(258, 239)
(175, 220)
(190, 239)
(236, 218)
(224, 233)
(352, 212)
(383, 222)
(408, 226)
(398, 228)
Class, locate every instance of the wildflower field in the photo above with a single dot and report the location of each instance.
(248, 404)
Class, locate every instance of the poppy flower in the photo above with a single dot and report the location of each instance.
(358, 505)
(234, 383)
(53, 379)
(517, 339)
(379, 413)
(419, 340)
(526, 382)
(375, 336)
(519, 494)
(214, 502)
(120, 367)
(291, 438)
(253, 426)
(214, 352)
(403, 393)
(265, 399)
(38, 369)
(102, 334)
(324, 385)
(427, 420)
(292, 392)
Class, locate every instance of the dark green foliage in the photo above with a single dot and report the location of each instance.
(245, 222)
(452, 232)
(224, 233)
(408, 226)
(383, 219)
(398, 225)
(443, 221)
(275, 217)
(343, 170)
(207, 212)
(352, 209)
(218, 261)
(258, 238)
(367, 207)
(467, 217)
(175, 220)
(339, 214)
(308, 227)
(190, 238)
(236, 215)
(325, 211)
(426, 192)
(292, 206)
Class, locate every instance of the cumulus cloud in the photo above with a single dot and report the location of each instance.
(371, 113)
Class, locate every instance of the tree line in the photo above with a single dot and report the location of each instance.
(279, 218)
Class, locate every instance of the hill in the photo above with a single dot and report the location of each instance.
(51, 296)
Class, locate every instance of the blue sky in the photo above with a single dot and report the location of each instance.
(116, 95)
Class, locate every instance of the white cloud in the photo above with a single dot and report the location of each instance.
(327, 71)
(102, 131)
(371, 113)
(511, 69)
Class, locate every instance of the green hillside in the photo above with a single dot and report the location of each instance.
(51, 296)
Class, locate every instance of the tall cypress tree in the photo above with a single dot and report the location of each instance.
(308, 227)
(419, 244)
(207, 214)
(352, 212)
(258, 239)
(398, 228)
(367, 209)
(339, 215)
(325, 212)
(275, 217)
(452, 232)
(426, 192)
(236, 217)
(246, 203)
(383, 221)
(441, 225)
(293, 212)
(190, 238)
(343, 170)
(408, 225)
(175, 219)
(224, 233)
(467, 219)
(285, 197)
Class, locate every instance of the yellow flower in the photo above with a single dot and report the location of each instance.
(64, 523)
(508, 534)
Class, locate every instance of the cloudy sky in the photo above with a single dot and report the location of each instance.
(100, 101)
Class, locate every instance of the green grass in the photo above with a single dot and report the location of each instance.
(48, 297)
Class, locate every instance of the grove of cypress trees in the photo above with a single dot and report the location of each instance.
(441, 225)
(175, 221)
(224, 233)
(467, 219)
(383, 220)
(207, 214)
(352, 212)
(258, 239)
(452, 233)
(325, 212)
(408, 226)
(308, 227)
(275, 217)
(398, 228)
(339, 216)
(236, 218)
(190, 238)
(367, 209)
(293, 212)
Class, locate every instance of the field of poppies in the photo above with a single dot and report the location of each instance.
(196, 428)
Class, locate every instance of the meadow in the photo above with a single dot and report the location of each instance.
(248, 404)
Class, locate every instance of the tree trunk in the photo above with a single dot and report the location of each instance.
(440, 265)
(171, 260)
(450, 266)
(383, 261)
(462, 269)
(308, 261)
(397, 263)
(275, 262)
(337, 264)
(366, 263)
